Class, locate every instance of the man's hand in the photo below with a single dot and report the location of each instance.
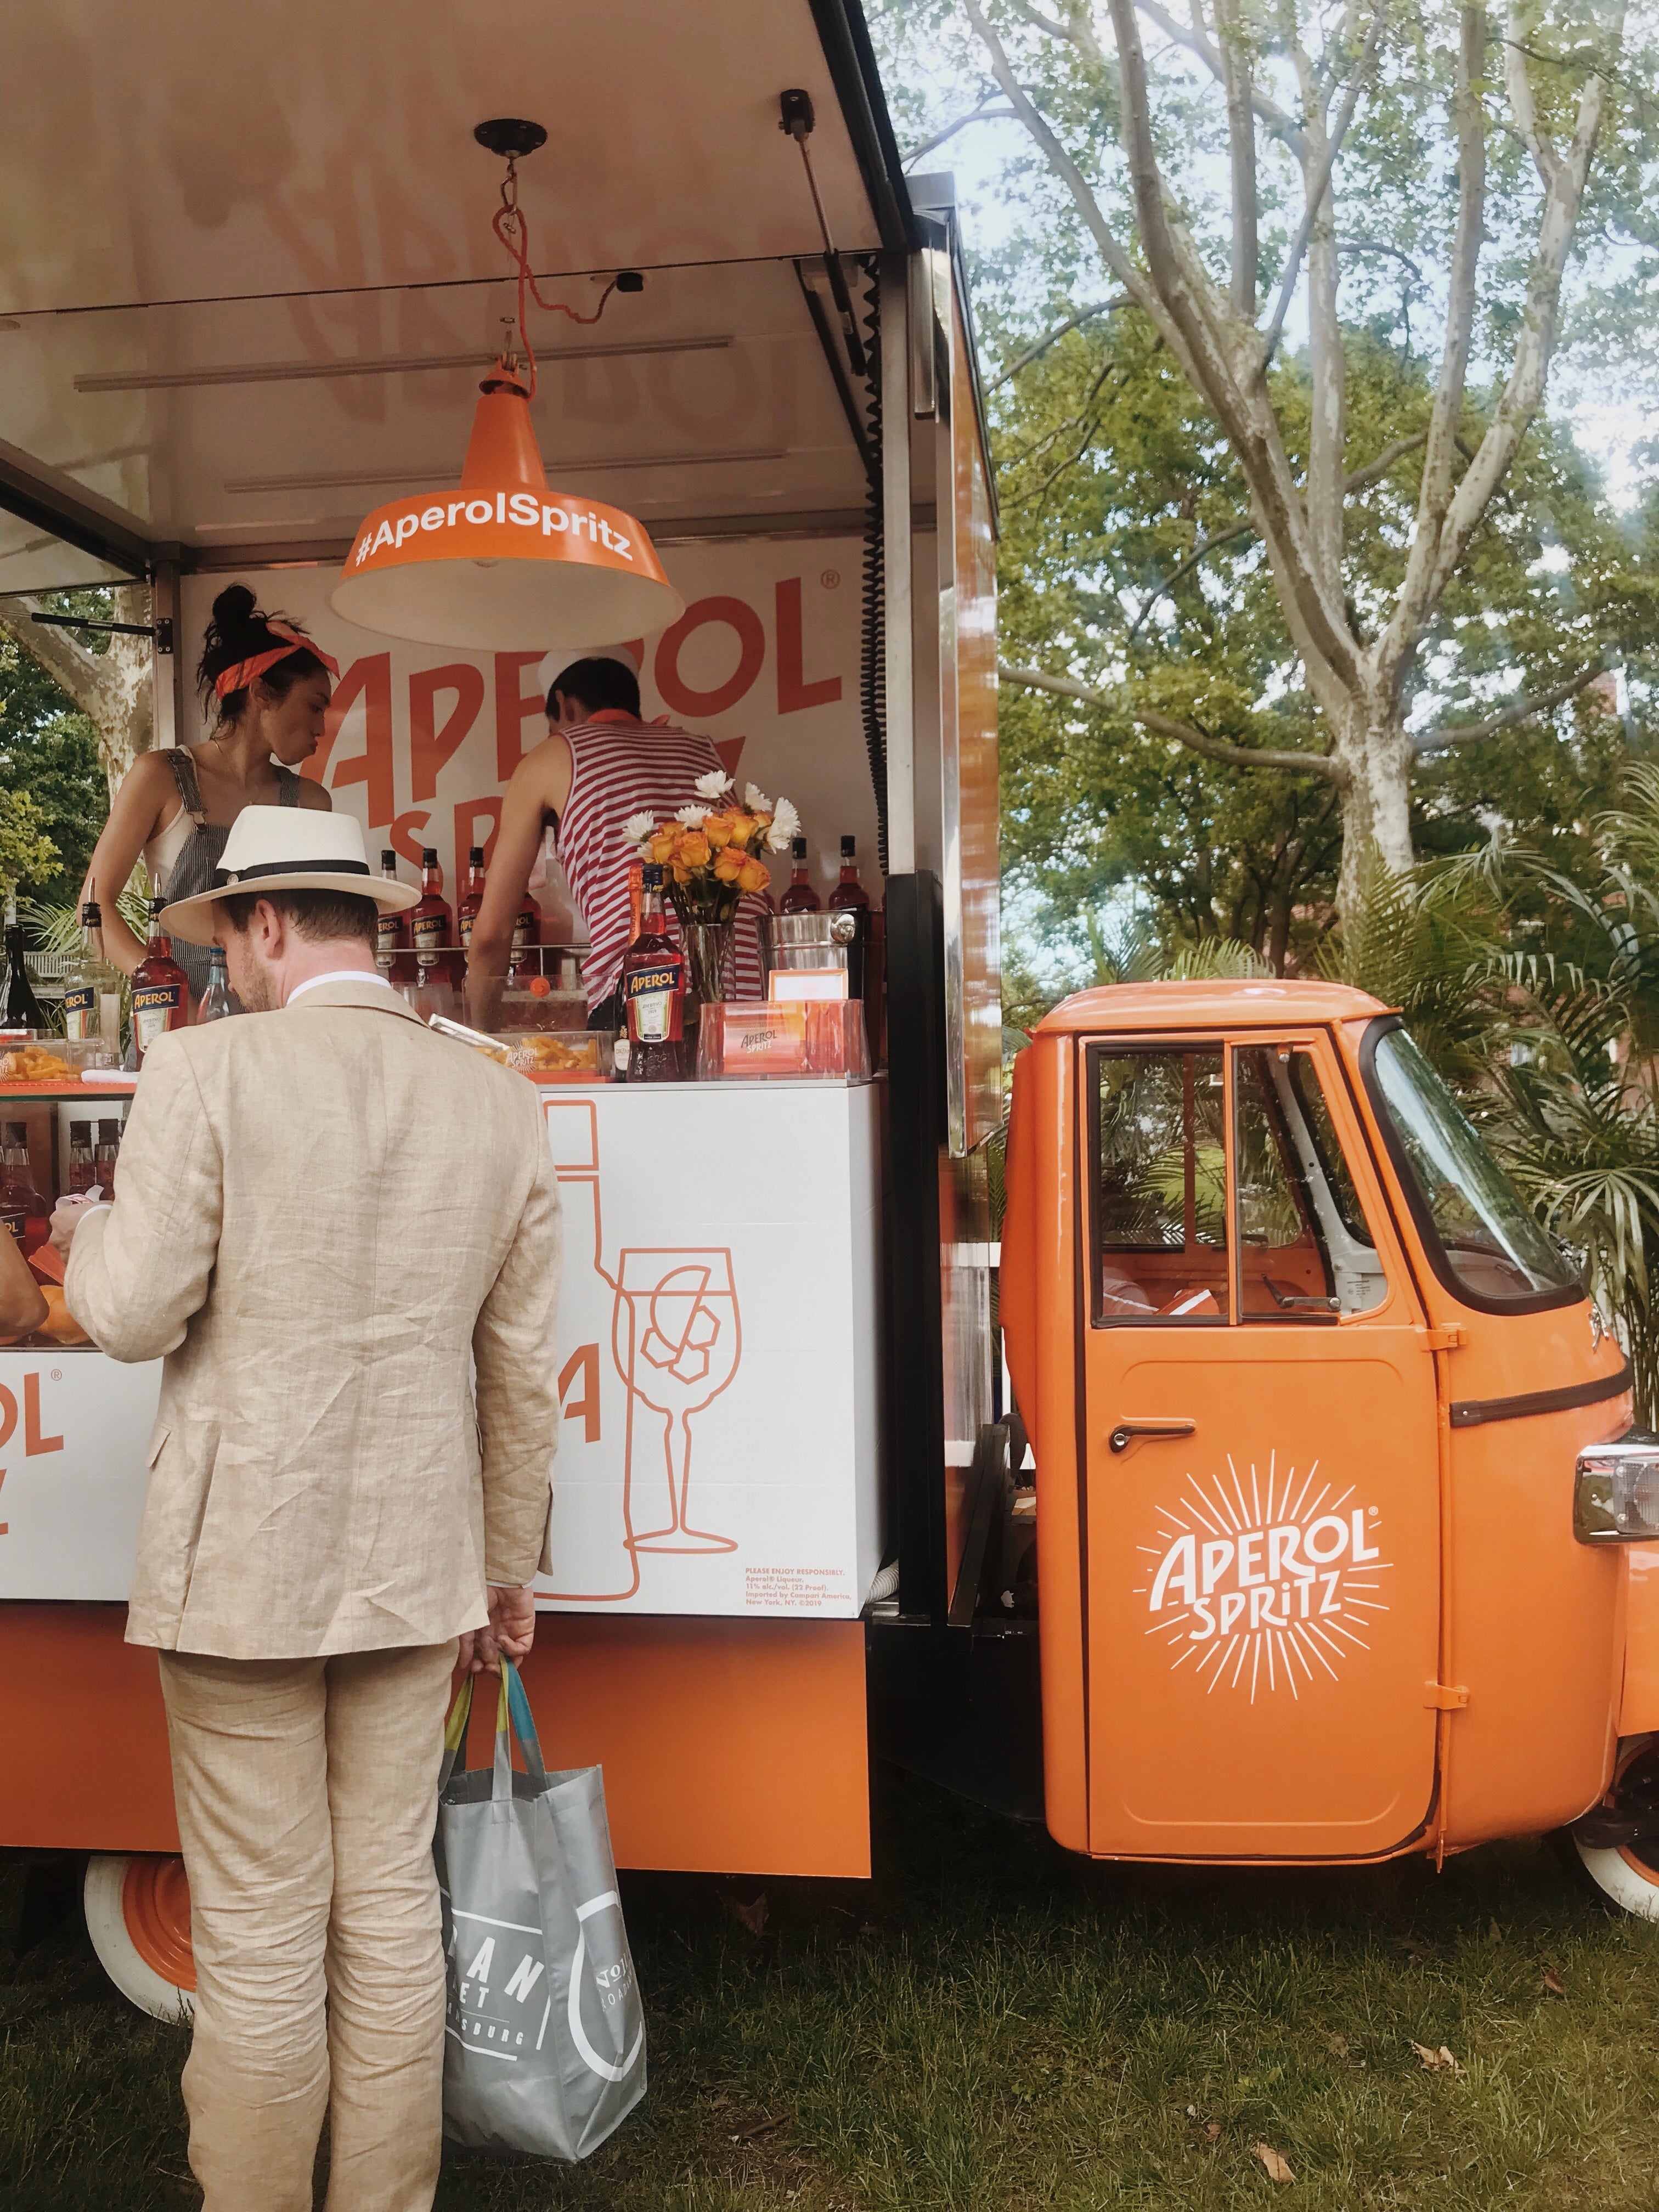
(512, 1630)
(66, 1217)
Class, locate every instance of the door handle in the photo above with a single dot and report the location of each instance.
(1125, 1432)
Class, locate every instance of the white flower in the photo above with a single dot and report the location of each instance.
(693, 816)
(786, 826)
(714, 785)
(638, 828)
(756, 800)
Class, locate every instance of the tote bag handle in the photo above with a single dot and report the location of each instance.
(512, 1717)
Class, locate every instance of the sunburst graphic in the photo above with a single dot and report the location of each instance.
(1264, 1589)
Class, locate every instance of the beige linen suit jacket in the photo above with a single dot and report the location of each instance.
(341, 1232)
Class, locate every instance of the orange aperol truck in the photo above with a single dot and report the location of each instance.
(1318, 1539)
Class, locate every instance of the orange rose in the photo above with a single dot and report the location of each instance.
(681, 874)
(664, 845)
(694, 849)
(729, 866)
(754, 875)
(718, 830)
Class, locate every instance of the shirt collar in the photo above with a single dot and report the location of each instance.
(336, 976)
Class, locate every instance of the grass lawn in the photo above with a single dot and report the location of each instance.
(992, 2024)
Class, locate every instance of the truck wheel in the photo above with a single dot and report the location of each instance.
(1625, 1874)
(137, 1913)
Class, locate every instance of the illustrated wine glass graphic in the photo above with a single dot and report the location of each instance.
(678, 1338)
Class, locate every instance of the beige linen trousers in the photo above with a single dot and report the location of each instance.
(341, 1233)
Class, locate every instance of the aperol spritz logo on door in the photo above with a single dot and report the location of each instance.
(1265, 1583)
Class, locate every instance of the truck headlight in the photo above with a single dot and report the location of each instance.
(1616, 1496)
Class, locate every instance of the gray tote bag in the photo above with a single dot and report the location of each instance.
(544, 2035)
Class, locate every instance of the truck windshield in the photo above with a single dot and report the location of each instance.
(1490, 1248)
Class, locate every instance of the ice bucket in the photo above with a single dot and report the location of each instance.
(835, 939)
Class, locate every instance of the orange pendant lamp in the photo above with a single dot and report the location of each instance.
(501, 563)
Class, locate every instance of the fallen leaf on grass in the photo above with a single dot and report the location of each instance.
(1338, 2044)
(1553, 1983)
(752, 1916)
(1276, 2165)
(1212, 2131)
(1438, 2061)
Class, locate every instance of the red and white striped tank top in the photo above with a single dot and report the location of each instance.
(620, 768)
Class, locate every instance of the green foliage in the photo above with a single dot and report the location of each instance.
(49, 751)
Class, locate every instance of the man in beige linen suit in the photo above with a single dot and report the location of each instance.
(328, 1221)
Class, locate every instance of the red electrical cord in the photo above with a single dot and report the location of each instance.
(514, 231)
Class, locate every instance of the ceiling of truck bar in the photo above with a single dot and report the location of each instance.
(248, 282)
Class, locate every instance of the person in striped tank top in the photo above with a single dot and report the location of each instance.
(598, 766)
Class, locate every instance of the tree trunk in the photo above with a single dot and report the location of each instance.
(1376, 757)
(114, 690)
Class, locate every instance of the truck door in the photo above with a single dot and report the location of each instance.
(1261, 1507)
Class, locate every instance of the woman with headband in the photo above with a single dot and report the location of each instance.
(269, 687)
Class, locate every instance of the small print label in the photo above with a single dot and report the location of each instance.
(655, 997)
(154, 1010)
(385, 934)
(467, 921)
(430, 933)
(79, 1012)
(764, 1040)
(522, 925)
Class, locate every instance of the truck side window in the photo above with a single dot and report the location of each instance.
(1304, 1248)
(1161, 1188)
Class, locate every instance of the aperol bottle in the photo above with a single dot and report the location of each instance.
(161, 989)
(654, 992)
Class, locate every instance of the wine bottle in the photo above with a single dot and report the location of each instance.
(22, 1009)
(800, 897)
(849, 891)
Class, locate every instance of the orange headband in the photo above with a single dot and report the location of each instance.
(233, 679)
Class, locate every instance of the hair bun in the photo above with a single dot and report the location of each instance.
(234, 609)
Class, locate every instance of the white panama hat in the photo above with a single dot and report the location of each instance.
(288, 849)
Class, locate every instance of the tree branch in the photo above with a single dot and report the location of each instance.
(1111, 252)
(1271, 114)
(1163, 726)
(1053, 337)
(987, 112)
(1524, 390)
(1434, 494)
(1245, 529)
(1518, 710)
(1241, 154)
(1318, 188)
(1359, 478)
(1356, 481)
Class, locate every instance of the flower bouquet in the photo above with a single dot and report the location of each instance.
(709, 853)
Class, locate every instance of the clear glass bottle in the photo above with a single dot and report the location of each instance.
(800, 897)
(80, 991)
(216, 1001)
(22, 1009)
(654, 992)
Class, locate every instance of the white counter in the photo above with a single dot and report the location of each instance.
(719, 1319)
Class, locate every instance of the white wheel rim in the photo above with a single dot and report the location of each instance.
(1623, 1878)
(107, 1924)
